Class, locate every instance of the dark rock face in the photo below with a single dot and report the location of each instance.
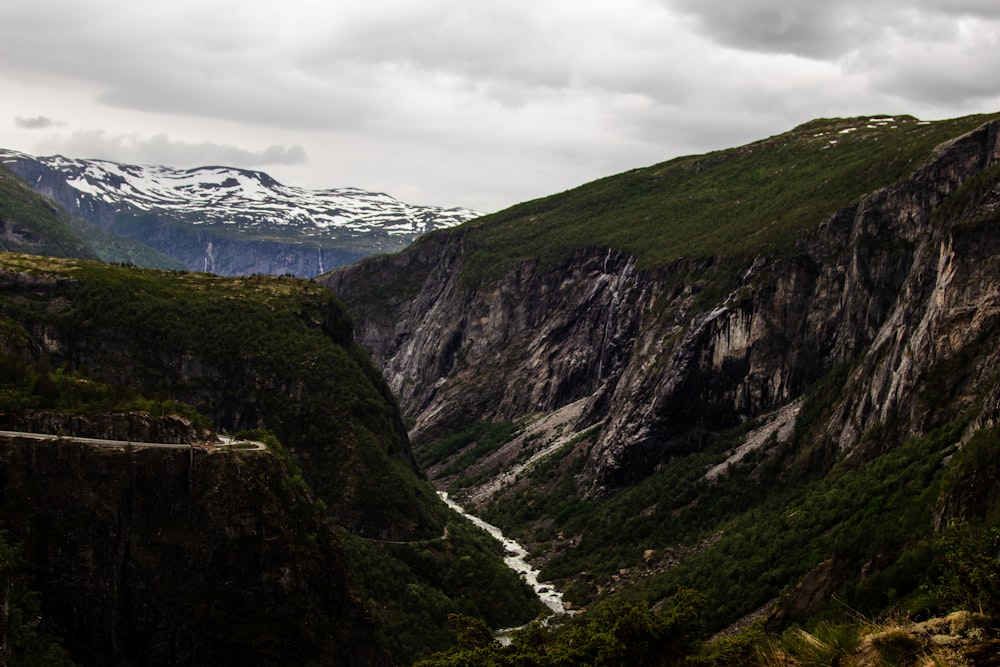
(173, 557)
(461, 352)
(231, 255)
(895, 285)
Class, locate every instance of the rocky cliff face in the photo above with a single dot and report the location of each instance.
(899, 285)
(174, 557)
(454, 352)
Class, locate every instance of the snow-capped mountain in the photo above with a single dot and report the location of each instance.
(209, 216)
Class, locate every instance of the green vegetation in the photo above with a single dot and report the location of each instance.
(240, 351)
(34, 224)
(862, 526)
(753, 533)
(460, 571)
(735, 203)
(745, 538)
(624, 633)
(969, 571)
(485, 437)
(37, 386)
(612, 633)
(25, 639)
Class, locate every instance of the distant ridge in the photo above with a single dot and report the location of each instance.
(231, 221)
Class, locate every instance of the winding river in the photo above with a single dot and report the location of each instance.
(516, 559)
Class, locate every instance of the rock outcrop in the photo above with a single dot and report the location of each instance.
(454, 352)
(153, 556)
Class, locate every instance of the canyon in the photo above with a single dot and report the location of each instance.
(866, 331)
(765, 373)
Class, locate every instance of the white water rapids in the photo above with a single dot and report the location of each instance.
(516, 559)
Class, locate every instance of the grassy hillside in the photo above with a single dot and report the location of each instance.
(731, 203)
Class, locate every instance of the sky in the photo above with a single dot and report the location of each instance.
(476, 103)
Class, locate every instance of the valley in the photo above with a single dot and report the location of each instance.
(735, 408)
(777, 422)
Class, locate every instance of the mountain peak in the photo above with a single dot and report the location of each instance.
(237, 204)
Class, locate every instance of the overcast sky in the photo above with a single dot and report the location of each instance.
(478, 103)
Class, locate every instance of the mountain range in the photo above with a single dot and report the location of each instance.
(731, 403)
(228, 221)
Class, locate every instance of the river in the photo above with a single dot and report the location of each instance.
(516, 559)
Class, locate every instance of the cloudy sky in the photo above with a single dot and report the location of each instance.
(479, 103)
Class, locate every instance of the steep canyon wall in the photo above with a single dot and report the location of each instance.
(895, 286)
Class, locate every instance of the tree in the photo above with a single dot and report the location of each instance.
(970, 575)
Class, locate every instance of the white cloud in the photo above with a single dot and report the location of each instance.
(34, 123)
(830, 30)
(160, 149)
(474, 103)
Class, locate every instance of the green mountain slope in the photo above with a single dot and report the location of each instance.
(262, 353)
(33, 224)
(733, 203)
(30, 223)
(117, 249)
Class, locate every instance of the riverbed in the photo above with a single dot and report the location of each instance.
(516, 559)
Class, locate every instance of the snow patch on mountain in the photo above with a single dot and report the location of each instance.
(245, 200)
